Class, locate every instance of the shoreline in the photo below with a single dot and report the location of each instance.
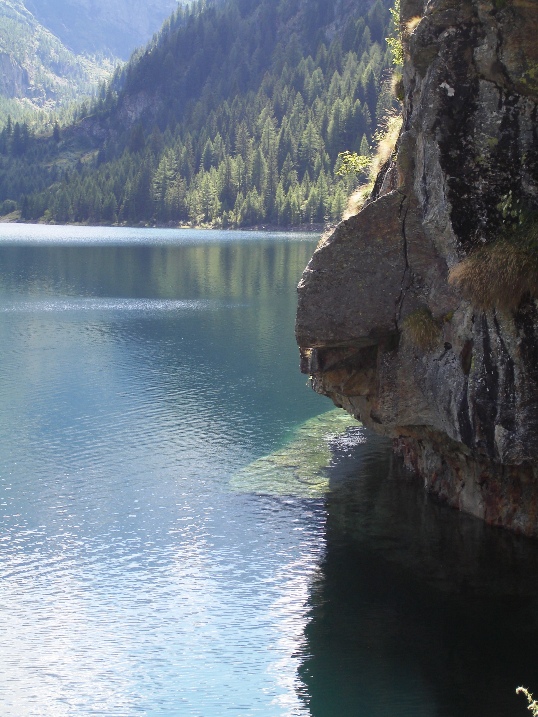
(317, 228)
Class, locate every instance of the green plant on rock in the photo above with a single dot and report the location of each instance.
(422, 330)
(395, 40)
(502, 273)
(352, 163)
(511, 209)
(530, 78)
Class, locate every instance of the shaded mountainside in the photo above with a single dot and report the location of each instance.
(112, 27)
(234, 115)
(419, 315)
(36, 67)
(53, 52)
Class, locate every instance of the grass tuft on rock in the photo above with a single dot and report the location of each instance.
(502, 273)
(422, 329)
(386, 138)
(397, 86)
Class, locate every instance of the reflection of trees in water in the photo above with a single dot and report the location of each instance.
(238, 331)
(265, 271)
(234, 268)
(418, 609)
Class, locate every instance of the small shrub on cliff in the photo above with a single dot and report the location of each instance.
(386, 137)
(394, 42)
(352, 163)
(422, 329)
(501, 274)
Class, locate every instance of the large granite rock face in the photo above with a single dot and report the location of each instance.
(381, 329)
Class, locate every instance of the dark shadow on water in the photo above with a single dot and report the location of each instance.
(418, 609)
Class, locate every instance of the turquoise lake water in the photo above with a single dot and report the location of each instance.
(187, 529)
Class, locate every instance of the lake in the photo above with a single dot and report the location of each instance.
(188, 530)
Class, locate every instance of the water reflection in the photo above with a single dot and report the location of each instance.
(136, 380)
(163, 512)
(417, 609)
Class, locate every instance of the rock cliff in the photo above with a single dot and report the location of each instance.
(13, 78)
(419, 315)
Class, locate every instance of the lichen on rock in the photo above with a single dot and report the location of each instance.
(461, 405)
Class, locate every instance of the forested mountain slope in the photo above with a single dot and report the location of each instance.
(55, 51)
(36, 69)
(234, 115)
(113, 27)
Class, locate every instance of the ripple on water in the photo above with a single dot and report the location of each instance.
(178, 538)
(133, 580)
(97, 304)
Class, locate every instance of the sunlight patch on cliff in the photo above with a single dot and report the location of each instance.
(386, 138)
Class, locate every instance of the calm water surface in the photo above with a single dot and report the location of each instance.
(180, 535)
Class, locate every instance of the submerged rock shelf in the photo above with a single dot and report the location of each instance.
(299, 469)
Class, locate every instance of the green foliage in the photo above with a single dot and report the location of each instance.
(7, 207)
(394, 41)
(510, 209)
(530, 78)
(352, 163)
(42, 73)
(246, 125)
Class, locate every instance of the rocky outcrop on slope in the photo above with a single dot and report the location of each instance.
(419, 314)
(13, 77)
